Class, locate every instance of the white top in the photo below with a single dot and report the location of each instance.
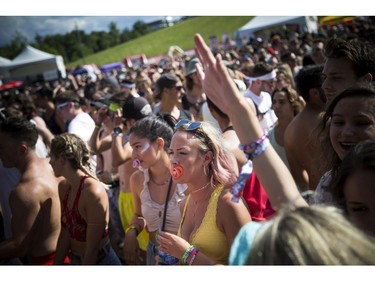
(322, 195)
(207, 116)
(153, 212)
(264, 103)
(82, 125)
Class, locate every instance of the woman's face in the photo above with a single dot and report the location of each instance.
(352, 121)
(359, 195)
(184, 152)
(143, 150)
(56, 164)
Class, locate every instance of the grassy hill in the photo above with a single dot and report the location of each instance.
(158, 42)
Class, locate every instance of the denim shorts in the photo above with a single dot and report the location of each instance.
(106, 256)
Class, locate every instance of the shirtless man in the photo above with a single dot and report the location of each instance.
(34, 202)
(301, 148)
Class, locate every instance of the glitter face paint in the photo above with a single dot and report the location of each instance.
(137, 162)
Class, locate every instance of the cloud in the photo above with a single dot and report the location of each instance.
(30, 26)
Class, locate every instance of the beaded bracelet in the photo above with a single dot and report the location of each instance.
(194, 256)
(187, 253)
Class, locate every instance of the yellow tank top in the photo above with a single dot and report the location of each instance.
(208, 238)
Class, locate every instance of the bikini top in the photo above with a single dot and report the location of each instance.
(208, 238)
(153, 212)
(72, 219)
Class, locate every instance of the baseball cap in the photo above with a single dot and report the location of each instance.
(166, 80)
(191, 66)
(136, 108)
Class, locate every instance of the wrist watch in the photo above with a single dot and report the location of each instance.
(117, 131)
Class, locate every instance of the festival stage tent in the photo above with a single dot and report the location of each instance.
(35, 65)
(265, 26)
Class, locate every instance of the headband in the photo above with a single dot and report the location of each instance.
(128, 85)
(264, 77)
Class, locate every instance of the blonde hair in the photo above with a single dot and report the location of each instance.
(220, 170)
(316, 235)
(74, 149)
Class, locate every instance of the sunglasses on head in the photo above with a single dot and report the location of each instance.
(61, 105)
(190, 125)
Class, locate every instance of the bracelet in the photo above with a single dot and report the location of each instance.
(187, 253)
(130, 228)
(194, 256)
(255, 148)
(259, 150)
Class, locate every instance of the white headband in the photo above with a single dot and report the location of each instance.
(128, 85)
(264, 77)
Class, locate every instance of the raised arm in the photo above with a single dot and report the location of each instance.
(220, 88)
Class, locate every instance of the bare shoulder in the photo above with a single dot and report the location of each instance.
(225, 203)
(229, 212)
(94, 187)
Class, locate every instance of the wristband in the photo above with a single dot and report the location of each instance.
(117, 131)
(194, 256)
(187, 253)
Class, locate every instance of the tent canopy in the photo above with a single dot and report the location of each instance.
(4, 61)
(34, 65)
(263, 25)
(31, 55)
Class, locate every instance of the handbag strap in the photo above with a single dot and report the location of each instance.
(166, 204)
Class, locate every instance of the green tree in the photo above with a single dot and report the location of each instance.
(141, 28)
(114, 34)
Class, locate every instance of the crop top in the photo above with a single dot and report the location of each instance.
(153, 212)
(72, 219)
(208, 238)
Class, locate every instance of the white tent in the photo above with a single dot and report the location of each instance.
(264, 26)
(35, 65)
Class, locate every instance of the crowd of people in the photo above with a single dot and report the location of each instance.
(258, 155)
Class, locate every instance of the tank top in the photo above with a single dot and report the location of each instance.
(153, 212)
(72, 219)
(208, 238)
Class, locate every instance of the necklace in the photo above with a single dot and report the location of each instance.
(203, 187)
(160, 184)
(197, 205)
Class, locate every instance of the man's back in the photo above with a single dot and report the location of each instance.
(302, 149)
(36, 211)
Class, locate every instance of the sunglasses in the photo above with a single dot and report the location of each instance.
(191, 126)
(179, 88)
(61, 105)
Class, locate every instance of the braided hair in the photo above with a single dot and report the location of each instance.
(74, 149)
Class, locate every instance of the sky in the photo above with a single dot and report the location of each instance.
(29, 26)
(61, 17)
